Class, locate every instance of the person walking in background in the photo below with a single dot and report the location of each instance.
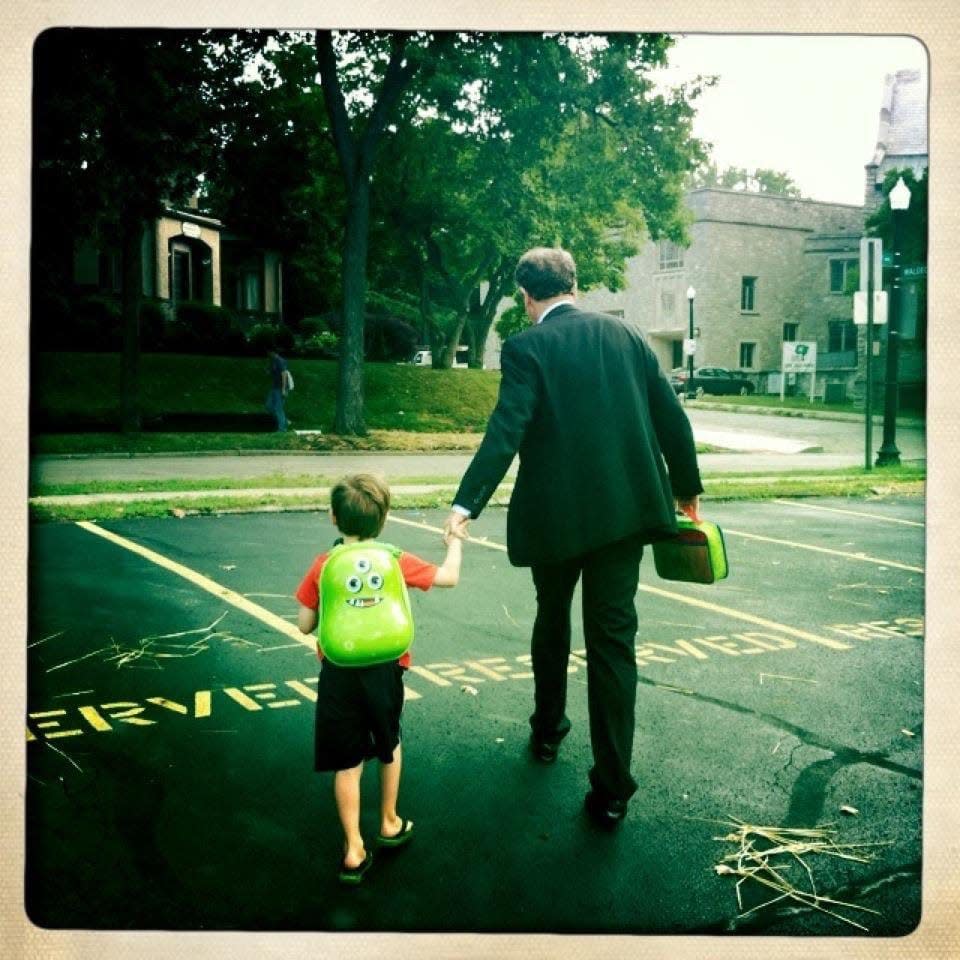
(280, 383)
(585, 404)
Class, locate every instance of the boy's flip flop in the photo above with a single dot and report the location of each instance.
(353, 875)
(405, 835)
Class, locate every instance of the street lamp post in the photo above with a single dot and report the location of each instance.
(888, 455)
(691, 293)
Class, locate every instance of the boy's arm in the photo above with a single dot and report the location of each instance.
(307, 619)
(448, 573)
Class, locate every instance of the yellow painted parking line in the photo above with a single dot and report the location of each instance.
(679, 597)
(850, 513)
(864, 558)
(217, 589)
(205, 583)
(746, 617)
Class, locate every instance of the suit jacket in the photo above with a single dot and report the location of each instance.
(585, 404)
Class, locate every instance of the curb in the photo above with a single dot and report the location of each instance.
(798, 413)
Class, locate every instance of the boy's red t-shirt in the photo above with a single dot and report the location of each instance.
(416, 573)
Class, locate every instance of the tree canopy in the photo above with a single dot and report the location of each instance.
(403, 171)
(758, 180)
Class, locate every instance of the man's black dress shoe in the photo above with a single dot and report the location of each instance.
(543, 751)
(605, 813)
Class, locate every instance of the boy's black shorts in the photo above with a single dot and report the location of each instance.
(358, 714)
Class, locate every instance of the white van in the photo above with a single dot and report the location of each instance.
(423, 358)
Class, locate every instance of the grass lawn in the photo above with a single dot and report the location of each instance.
(292, 493)
(398, 396)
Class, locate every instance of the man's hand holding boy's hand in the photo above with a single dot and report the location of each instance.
(455, 526)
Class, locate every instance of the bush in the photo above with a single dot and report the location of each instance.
(388, 339)
(153, 326)
(203, 328)
(95, 324)
(325, 344)
(265, 336)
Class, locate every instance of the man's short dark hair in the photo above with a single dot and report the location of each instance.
(546, 272)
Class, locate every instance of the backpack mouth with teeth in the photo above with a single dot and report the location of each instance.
(364, 601)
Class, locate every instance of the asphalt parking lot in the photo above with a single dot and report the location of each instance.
(169, 734)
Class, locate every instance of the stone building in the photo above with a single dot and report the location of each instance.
(765, 269)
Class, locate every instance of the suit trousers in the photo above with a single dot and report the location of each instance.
(609, 577)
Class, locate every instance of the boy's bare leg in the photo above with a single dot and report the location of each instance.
(390, 823)
(346, 791)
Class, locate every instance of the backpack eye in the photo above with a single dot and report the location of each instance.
(362, 564)
(354, 583)
(375, 581)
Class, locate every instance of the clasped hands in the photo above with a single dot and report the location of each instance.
(455, 526)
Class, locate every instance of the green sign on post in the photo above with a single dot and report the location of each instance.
(915, 271)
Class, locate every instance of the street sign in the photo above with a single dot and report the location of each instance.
(689, 347)
(879, 306)
(871, 248)
(914, 271)
(800, 356)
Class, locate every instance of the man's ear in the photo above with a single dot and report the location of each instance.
(333, 517)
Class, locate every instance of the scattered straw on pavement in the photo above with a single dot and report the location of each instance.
(766, 854)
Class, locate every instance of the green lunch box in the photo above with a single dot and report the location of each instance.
(696, 554)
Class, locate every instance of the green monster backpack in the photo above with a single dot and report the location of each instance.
(364, 616)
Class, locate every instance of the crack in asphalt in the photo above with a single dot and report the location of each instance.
(846, 754)
(807, 799)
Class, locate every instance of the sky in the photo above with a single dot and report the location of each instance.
(804, 105)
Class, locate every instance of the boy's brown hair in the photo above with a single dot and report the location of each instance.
(360, 503)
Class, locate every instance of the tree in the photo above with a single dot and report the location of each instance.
(123, 124)
(915, 228)
(273, 131)
(553, 139)
(363, 77)
(759, 180)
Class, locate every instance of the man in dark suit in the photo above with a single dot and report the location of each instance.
(585, 404)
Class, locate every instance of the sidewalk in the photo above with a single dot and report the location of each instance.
(761, 448)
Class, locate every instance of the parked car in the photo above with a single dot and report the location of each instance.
(715, 380)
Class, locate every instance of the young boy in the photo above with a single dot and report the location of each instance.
(358, 708)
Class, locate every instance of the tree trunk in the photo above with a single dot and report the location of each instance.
(349, 412)
(450, 351)
(131, 295)
(482, 312)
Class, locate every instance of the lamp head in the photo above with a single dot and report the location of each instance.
(691, 293)
(900, 196)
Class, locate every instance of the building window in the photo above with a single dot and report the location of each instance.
(839, 272)
(748, 295)
(790, 332)
(677, 358)
(614, 313)
(747, 353)
(671, 256)
(668, 304)
(841, 336)
(249, 290)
